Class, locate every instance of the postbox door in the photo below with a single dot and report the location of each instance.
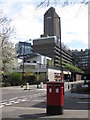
(53, 95)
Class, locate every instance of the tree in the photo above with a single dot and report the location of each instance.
(6, 47)
(63, 3)
(73, 68)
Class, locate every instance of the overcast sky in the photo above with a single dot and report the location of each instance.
(28, 21)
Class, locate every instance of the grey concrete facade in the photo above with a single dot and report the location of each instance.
(50, 47)
(82, 60)
(51, 23)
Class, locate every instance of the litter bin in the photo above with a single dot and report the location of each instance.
(55, 98)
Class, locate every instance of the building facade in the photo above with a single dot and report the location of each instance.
(23, 48)
(82, 60)
(49, 46)
(52, 22)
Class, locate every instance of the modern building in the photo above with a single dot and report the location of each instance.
(23, 48)
(50, 46)
(36, 58)
(52, 22)
(82, 60)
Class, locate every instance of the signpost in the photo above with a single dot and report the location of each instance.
(68, 78)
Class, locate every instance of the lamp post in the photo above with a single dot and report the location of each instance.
(37, 74)
(23, 64)
(68, 78)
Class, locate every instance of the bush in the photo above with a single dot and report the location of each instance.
(31, 79)
(13, 79)
(42, 77)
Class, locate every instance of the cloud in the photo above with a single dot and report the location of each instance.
(74, 24)
(29, 22)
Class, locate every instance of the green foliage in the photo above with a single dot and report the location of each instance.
(42, 77)
(31, 79)
(13, 79)
(73, 68)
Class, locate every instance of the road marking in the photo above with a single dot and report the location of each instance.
(39, 100)
(4, 103)
(8, 103)
(84, 102)
(29, 108)
(18, 101)
(12, 101)
(1, 106)
(24, 99)
(13, 98)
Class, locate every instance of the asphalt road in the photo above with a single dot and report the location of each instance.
(19, 103)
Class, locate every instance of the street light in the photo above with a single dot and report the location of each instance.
(68, 78)
(23, 63)
(37, 74)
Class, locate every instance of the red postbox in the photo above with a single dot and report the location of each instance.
(55, 97)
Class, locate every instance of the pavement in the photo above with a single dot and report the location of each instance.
(76, 95)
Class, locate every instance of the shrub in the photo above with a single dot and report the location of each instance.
(14, 79)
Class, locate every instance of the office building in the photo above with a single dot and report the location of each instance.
(49, 46)
(23, 48)
(52, 22)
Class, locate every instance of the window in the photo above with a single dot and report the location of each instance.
(28, 61)
(34, 61)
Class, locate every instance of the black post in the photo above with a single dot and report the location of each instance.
(61, 54)
(37, 75)
(23, 64)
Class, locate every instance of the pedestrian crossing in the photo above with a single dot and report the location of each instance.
(11, 102)
(17, 100)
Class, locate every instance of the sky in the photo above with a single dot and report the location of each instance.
(28, 21)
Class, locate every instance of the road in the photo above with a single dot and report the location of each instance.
(19, 103)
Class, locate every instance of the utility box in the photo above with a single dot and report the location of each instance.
(55, 97)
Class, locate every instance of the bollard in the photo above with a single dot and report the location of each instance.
(41, 85)
(27, 87)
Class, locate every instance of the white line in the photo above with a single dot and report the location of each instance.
(29, 108)
(4, 103)
(11, 101)
(84, 102)
(1, 106)
(38, 100)
(13, 98)
(8, 104)
(23, 100)
(23, 96)
(18, 101)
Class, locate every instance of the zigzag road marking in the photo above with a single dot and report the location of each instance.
(17, 100)
(7, 104)
(1, 106)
